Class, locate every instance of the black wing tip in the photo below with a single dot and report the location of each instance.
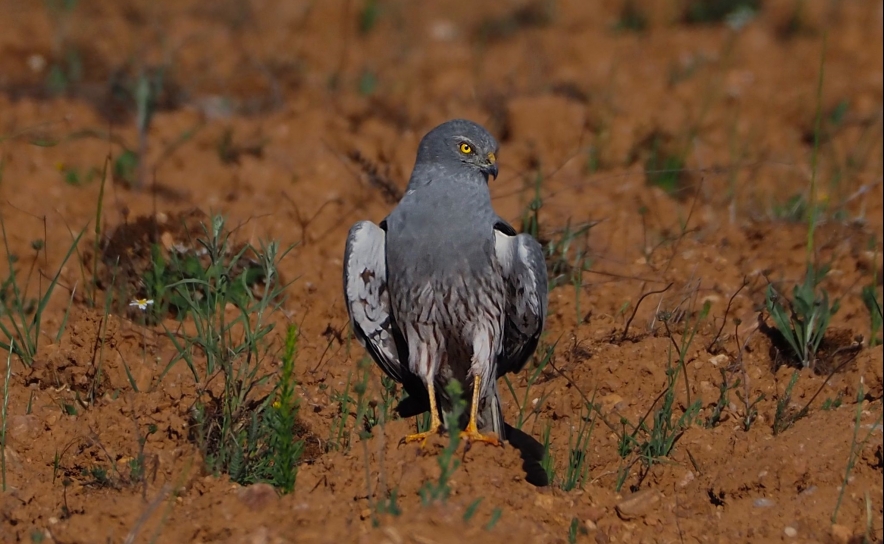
(412, 407)
(505, 227)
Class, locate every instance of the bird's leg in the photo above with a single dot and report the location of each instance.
(435, 422)
(472, 433)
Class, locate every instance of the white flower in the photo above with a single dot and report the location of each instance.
(142, 303)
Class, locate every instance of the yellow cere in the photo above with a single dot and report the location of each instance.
(492, 158)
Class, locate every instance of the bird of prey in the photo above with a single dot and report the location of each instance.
(444, 288)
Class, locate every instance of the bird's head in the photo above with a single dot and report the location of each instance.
(460, 143)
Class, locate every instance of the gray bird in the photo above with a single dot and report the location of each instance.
(444, 288)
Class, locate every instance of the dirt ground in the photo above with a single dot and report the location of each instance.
(681, 148)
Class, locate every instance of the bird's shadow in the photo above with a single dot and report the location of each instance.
(532, 455)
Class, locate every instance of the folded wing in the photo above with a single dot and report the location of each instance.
(524, 272)
(367, 299)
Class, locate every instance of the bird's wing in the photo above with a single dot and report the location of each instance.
(368, 301)
(524, 272)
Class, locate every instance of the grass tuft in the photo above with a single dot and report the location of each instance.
(856, 448)
(577, 471)
(803, 320)
(285, 446)
(21, 317)
(534, 375)
(651, 445)
(251, 438)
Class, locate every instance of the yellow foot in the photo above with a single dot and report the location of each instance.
(435, 422)
(419, 437)
(472, 433)
(475, 436)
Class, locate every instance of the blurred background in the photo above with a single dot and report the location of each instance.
(671, 87)
(635, 114)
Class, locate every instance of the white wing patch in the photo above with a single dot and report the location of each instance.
(524, 272)
(503, 247)
(367, 298)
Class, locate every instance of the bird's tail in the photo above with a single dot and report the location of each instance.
(491, 415)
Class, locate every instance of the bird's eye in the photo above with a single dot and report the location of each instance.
(466, 148)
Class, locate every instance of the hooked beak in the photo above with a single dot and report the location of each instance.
(491, 168)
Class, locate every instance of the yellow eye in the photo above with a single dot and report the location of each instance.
(465, 148)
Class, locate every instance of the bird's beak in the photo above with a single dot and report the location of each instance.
(491, 168)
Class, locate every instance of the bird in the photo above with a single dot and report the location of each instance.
(445, 289)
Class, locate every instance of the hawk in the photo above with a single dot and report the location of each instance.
(443, 288)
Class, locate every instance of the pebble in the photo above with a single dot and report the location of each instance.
(544, 501)
(809, 491)
(24, 426)
(841, 534)
(36, 63)
(719, 360)
(687, 479)
(638, 504)
(790, 532)
(763, 503)
(612, 402)
(595, 513)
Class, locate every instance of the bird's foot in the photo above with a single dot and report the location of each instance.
(473, 435)
(419, 437)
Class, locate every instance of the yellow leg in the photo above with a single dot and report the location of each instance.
(435, 422)
(472, 431)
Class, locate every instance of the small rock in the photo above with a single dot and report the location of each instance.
(718, 360)
(24, 426)
(167, 240)
(638, 504)
(611, 403)
(36, 63)
(257, 496)
(763, 503)
(12, 457)
(790, 532)
(595, 513)
(544, 501)
(143, 377)
(686, 479)
(809, 491)
(841, 534)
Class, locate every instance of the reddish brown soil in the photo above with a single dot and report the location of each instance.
(271, 90)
